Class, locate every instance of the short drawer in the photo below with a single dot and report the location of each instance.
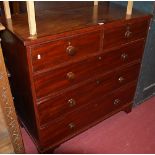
(125, 32)
(66, 50)
(64, 77)
(53, 107)
(70, 124)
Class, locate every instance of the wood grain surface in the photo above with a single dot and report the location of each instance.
(79, 70)
(64, 20)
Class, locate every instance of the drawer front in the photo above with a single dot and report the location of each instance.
(72, 100)
(69, 124)
(62, 51)
(115, 35)
(61, 78)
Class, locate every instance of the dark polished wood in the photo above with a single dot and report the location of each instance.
(70, 21)
(67, 125)
(16, 59)
(124, 32)
(81, 67)
(84, 69)
(52, 55)
(65, 50)
(59, 105)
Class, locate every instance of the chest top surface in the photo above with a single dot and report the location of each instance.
(52, 22)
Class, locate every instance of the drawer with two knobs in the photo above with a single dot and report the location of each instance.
(53, 107)
(70, 124)
(64, 77)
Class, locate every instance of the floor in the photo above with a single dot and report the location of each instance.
(5, 141)
(121, 133)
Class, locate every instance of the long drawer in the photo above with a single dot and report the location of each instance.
(124, 32)
(65, 50)
(69, 124)
(52, 108)
(63, 77)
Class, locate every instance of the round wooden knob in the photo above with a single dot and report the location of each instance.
(71, 102)
(121, 79)
(71, 125)
(128, 34)
(99, 58)
(70, 76)
(71, 50)
(117, 101)
(124, 56)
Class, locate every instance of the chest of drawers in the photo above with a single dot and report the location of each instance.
(64, 83)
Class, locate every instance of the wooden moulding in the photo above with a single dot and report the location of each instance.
(8, 109)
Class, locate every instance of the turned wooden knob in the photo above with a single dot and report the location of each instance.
(117, 101)
(121, 79)
(124, 56)
(71, 102)
(128, 34)
(70, 76)
(71, 125)
(71, 50)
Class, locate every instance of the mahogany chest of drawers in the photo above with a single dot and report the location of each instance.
(66, 82)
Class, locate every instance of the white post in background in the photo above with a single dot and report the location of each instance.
(31, 18)
(7, 9)
(129, 8)
(95, 14)
(95, 2)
